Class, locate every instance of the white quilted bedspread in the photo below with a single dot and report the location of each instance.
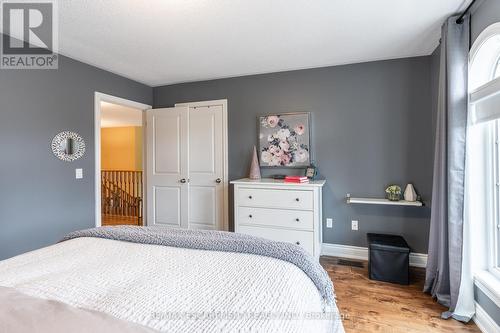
(173, 289)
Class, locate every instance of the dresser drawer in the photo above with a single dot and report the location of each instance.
(295, 219)
(275, 198)
(302, 238)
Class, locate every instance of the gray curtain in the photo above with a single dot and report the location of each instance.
(444, 265)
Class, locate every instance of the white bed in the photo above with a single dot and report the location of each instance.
(173, 289)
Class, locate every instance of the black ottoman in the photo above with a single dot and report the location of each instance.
(389, 258)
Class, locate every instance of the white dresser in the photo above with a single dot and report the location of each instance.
(280, 211)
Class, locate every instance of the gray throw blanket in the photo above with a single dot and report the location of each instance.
(218, 241)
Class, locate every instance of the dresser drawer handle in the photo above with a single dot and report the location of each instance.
(297, 219)
(297, 199)
(298, 243)
(249, 197)
(250, 216)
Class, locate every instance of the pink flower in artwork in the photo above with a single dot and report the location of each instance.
(301, 155)
(284, 145)
(285, 159)
(266, 157)
(272, 121)
(283, 134)
(299, 129)
(279, 152)
(275, 161)
(273, 149)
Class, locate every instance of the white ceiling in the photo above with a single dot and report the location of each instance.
(113, 115)
(169, 41)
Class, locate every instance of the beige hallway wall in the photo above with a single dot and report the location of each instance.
(121, 148)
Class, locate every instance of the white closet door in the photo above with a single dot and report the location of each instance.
(167, 166)
(206, 169)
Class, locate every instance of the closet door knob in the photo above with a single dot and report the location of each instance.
(183, 180)
(218, 180)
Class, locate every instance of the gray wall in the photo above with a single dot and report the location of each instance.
(435, 64)
(40, 199)
(372, 126)
(487, 13)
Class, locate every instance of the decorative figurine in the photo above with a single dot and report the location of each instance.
(254, 167)
(410, 194)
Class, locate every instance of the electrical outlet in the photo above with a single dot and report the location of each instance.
(329, 223)
(354, 225)
(78, 173)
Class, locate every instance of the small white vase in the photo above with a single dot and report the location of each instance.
(410, 194)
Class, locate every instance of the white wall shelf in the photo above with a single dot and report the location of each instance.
(380, 201)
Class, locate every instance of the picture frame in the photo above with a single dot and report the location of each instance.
(311, 172)
(285, 140)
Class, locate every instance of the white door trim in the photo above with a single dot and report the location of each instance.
(222, 102)
(98, 98)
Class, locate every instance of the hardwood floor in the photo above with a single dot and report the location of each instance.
(119, 220)
(369, 306)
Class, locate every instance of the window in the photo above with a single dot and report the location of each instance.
(497, 69)
(485, 58)
(495, 225)
(483, 147)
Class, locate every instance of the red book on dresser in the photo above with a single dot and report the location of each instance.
(296, 179)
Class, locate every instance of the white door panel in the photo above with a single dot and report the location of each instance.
(206, 167)
(167, 142)
(185, 164)
(167, 207)
(202, 207)
(167, 164)
(202, 129)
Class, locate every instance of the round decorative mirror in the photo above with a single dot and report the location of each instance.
(68, 146)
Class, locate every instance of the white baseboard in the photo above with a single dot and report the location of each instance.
(485, 323)
(361, 253)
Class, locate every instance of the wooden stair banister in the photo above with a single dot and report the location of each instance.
(121, 193)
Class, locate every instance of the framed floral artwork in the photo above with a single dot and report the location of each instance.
(284, 140)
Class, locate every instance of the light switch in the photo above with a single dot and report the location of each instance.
(354, 225)
(78, 173)
(329, 223)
